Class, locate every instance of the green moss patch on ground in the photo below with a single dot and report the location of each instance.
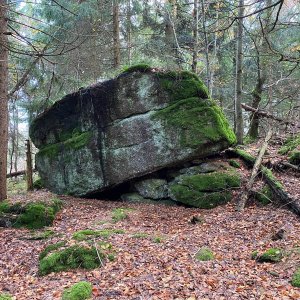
(196, 121)
(4, 296)
(88, 233)
(72, 257)
(296, 279)
(79, 291)
(204, 254)
(119, 214)
(272, 255)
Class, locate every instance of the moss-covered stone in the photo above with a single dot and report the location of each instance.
(183, 85)
(33, 215)
(290, 144)
(204, 254)
(70, 258)
(296, 279)
(137, 68)
(79, 291)
(196, 121)
(264, 196)
(272, 255)
(294, 157)
(88, 233)
(205, 190)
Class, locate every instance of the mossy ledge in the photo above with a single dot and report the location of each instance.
(79, 291)
(196, 120)
(75, 142)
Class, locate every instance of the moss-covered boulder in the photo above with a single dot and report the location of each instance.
(140, 122)
(79, 291)
(205, 190)
(33, 215)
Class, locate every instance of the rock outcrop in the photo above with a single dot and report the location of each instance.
(125, 128)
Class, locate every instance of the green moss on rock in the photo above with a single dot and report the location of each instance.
(79, 291)
(205, 190)
(75, 142)
(196, 121)
(272, 255)
(204, 254)
(33, 215)
(296, 279)
(137, 68)
(182, 85)
(70, 258)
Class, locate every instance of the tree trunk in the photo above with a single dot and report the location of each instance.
(238, 92)
(29, 169)
(206, 47)
(262, 67)
(128, 15)
(116, 33)
(195, 34)
(3, 100)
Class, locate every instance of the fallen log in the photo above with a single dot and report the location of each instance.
(265, 114)
(18, 173)
(244, 196)
(275, 185)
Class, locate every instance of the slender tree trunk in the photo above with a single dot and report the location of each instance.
(129, 31)
(206, 47)
(262, 70)
(195, 34)
(116, 33)
(239, 64)
(29, 169)
(3, 100)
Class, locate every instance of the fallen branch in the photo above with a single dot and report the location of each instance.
(265, 114)
(244, 197)
(18, 173)
(276, 187)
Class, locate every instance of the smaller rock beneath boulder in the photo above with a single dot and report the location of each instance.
(152, 188)
(132, 197)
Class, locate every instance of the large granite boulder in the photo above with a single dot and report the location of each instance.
(140, 122)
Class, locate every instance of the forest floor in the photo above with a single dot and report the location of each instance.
(155, 256)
